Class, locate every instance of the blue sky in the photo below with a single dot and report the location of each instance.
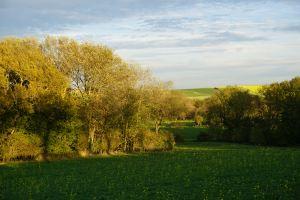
(194, 43)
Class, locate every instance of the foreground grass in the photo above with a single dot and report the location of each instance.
(191, 171)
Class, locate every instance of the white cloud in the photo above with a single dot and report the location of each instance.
(194, 43)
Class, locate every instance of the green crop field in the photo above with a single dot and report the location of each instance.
(198, 93)
(202, 93)
(185, 129)
(192, 171)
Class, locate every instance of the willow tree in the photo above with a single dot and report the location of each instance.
(25, 74)
(104, 84)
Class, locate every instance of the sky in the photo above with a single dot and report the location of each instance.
(194, 43)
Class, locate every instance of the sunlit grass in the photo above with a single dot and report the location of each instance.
(203, 93)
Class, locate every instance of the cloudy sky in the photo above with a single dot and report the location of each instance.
(194, 43)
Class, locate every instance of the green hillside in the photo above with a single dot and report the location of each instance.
(198, 93)
(202, 93)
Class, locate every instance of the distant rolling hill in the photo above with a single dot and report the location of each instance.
(198, 93)
(202, 93)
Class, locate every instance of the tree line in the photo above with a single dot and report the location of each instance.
(59, 96)
(271, 117)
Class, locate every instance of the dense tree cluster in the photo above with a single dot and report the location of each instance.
(271, 117)
(59, 96)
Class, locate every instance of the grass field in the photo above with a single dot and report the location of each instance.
(192, 171)
(185, 129)
(202, 93)
(198, 93)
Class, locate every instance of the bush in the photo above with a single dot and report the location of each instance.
(108, 142)
(82, 144)
(177, 124)
(240, 134)
(218, 133)
(20, 146)
(272, 117)
(112, 141)
(258, 136)
(204, 136)
(198, 120)
(169, 141)
(61, 143)
(178, 138)
(155, 142)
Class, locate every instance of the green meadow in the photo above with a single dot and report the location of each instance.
(203, 93)
(185, 129)
(198, 93)
(194, 170)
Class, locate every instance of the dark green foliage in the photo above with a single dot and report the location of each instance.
(13, 79)
(232, 108)
(218, 133)
(281, 112)
(16, 107)
(260, 135)
(178, 138)
(270, 118)
(82, 142)
(61, 143)
(151, 141)
(108, 143)
(52, 112)
(184, 129)
(193, 171)
(204, 137)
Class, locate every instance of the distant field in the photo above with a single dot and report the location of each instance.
(202, 93)
(253, 88)
(185, 129)
(198, 93)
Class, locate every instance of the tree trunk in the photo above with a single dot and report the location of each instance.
(108, 141)
(125, 137)
(92, 130)
(157, 126)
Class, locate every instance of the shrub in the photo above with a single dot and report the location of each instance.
(177, 124)
(198, 120)
(20, 146)
(82, 144)
(204, 136)
(258, 136)
(218, 133)
(268, 118)
(240, 134)
(108, 142)
(97, 147)
(169, 141)
(112, 140)
(61, 143)
(154, 142)
(178, 138)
